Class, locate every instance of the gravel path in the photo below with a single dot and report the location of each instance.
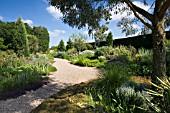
(66, 75)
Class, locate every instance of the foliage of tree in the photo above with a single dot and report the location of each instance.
(109, 39)
(33, 43)
(69, 44)
(61, 46)
(55, 48)
(75, 14)
(79, 41)
(127, 26)
(100, 34)
(2, 46)
(13, 34)
(21, 38)
(43, 38)
(7, 32)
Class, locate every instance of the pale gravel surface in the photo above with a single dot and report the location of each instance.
(66, 75)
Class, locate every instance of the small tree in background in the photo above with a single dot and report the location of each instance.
(61, 46)
(21, 38)
(79, 41)
(100, 35)
(109, 39)
(69, 44)
(26, 43)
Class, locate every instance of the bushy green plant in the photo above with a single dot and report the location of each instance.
(104, 51)
(132, 50)
(71, 51)
(115, 75)
(122, 53)
(123, 100)
(61, 46)
(91, 63)
(142, 63)
(102, 58)
(18, 71)
(82, 61)
(140, 69)
(62, 55)
(52, 68)
(87, 53)
(145, 56)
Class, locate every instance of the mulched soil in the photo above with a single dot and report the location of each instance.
(16, 92)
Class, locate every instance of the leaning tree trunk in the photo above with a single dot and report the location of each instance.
(159, 50)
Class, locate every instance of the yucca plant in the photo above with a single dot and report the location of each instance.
(161, 94)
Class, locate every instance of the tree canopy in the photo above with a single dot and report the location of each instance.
(69, 44)
(21, 37)
(79, 41)
(109, 39)
(75, 11)
(61, 46)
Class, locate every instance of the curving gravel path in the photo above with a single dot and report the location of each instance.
(66, 75)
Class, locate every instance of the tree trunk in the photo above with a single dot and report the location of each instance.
(159, 50)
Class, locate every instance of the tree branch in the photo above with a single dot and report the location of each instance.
(163, 9)
(144, 13)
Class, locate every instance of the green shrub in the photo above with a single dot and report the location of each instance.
(87, 53)
(90, 63)
(82, 61)
(52, 69)
(19, 77)
(114, 76)
(62, 55)
(102, 58)
(18, 71)
(104, 51)
(122, 53)
(73, 50)
(140, 69)
(142, 63)
(109, 95)
(132, 50)
(145, 56)
(77, 60)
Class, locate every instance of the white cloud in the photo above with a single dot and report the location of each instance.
(1, 18)
(124, 14)
(28, 21)
(56, 32)
(54, 12)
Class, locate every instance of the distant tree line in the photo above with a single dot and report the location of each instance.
(22, 38)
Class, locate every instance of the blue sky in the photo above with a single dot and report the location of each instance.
(39, 13)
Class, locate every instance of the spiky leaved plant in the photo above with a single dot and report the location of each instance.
(161, 94)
